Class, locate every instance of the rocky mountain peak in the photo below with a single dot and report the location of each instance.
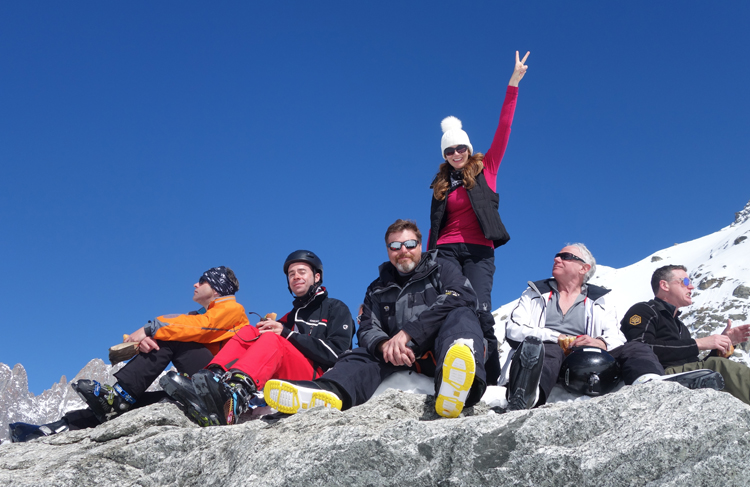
(742, 216)
(18, 404)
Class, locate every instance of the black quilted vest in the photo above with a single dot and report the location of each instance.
(485, 203)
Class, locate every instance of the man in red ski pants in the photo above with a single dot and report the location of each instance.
(300, 346)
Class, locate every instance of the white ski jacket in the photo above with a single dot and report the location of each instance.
(529, 317)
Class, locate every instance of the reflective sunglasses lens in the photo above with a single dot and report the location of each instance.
(686, 281)
(409, 244)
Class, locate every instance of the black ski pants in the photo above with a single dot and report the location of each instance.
(477, 263)
(142, 371)
(634, 358)
(357, 374)
(144, 368)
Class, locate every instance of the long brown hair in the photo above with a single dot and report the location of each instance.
(470, 171)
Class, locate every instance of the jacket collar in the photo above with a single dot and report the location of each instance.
(662, 305)
(221, 299)
(388, 271)
(320, 293)
(589, 290)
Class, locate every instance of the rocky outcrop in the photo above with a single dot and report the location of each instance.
(653, 434)
(741, 292)
(742, 216)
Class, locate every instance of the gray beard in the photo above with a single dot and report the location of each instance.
(405, 269)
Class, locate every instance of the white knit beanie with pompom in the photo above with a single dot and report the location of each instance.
(453, 135)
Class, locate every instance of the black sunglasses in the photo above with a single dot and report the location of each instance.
(459, 148)
(569, 256)
(409, 244)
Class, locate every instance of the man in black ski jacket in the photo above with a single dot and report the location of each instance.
(657, 323)
(420, 314)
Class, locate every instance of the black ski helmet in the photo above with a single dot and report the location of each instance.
(309, 258)
(591, 371)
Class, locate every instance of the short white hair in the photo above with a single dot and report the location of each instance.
(588, 258)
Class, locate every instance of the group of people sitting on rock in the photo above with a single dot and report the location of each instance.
(428, 312)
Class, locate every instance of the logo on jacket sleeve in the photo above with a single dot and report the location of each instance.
(635, 320)
(452, 293)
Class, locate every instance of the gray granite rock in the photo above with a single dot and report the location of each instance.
(653, 434)
(741, 292)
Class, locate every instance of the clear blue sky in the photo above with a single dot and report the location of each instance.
(144, 142)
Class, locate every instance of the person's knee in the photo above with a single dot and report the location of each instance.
(464, 321)
(462, 313)
(246, 333)
(269, 338)
(635, 347)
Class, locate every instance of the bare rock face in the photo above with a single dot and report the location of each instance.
(741, 292)
(742, 216)
(15, 398)
(653, 434)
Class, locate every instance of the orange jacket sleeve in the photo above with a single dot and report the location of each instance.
(219, 323)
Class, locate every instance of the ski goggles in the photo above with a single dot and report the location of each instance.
(459, 148)
(409, 244)
(569, 256)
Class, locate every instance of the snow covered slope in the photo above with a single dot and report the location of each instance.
(718, 264)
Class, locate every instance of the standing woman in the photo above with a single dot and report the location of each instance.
(464, 222)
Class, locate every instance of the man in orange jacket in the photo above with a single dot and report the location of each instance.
(189, 341)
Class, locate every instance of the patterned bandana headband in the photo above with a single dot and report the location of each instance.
(216, 277)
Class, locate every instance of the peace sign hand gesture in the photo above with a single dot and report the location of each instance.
(519, 70)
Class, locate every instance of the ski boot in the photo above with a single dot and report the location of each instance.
(525, 374)
(21, 432)
(105, 401)
(289, 396)
(180, 388)
(458, 376)
(225, 396)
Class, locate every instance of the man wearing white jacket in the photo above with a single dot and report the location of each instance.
(553, 310)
